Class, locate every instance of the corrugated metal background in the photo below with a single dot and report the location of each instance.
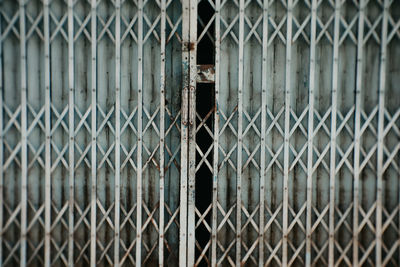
(305, 158)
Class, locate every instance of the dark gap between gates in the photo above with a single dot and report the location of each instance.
(204, 107)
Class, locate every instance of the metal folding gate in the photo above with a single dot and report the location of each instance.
(107, 158)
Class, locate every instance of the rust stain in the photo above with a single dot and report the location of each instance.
(207, 67)
(192, 45)
(189, 46)
(206, 73)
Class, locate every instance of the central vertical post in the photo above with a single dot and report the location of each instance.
(192, 131)
(188, 134)
(184, 135)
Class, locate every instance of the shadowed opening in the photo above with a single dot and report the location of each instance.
(204, 138)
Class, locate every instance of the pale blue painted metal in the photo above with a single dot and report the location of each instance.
(83, 70)
(329, 122)
(305, 158)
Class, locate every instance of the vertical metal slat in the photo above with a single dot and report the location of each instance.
(333, 132)
(289, 19)
(192, 132)
(184, 138)
(93, 204)
(47, 248)
(214, 218)
(71, 133)
(310, 133)
(358, 120)
(239, 136)
(140, 137)
(24, 148)
(263, 130)
(162, 136)
(381, 118)
(117, 130)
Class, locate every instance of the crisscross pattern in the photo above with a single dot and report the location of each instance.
(302, 160)
(305, 128)
(89, 102)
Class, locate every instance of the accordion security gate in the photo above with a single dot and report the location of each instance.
(99, 154)
(90, 119)
(305, 127)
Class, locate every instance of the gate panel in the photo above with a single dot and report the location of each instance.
(94, 86)
(304, 152)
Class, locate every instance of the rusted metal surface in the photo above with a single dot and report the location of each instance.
(205, 74)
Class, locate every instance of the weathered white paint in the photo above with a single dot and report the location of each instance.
(99, 169)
